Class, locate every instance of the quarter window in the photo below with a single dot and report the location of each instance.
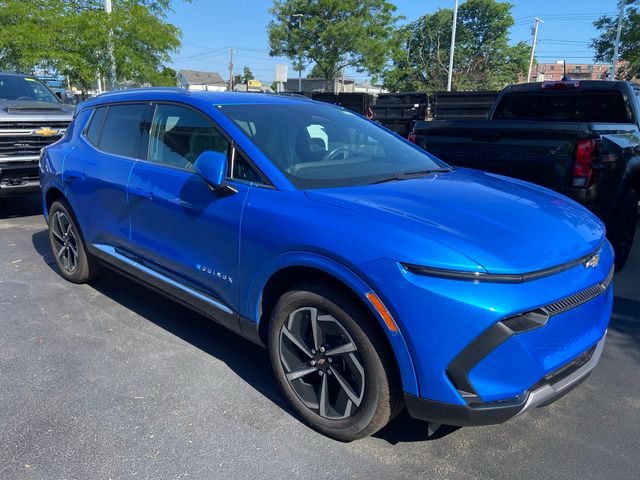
(95, 126)
(123, 130)
(179, 135)
(242, 169)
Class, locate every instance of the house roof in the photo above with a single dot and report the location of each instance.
(195, 77)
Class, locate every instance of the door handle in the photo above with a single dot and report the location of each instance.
(73, 175)
(140, 192)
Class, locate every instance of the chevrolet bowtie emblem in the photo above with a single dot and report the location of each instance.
(593, 261)
(46, 132)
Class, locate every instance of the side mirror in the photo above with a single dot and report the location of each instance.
(212, 166)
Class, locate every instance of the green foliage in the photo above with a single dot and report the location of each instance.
(629, 50)
(72, 36)
(246, 75)
(483, 57)
(164, 78)
(333, 34)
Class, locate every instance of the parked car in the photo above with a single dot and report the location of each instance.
(377, 276)
(31, 117)
(579, 138)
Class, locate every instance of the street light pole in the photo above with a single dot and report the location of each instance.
(533, 46)
(112, 59)
(616, 47)
(453, 44)
(298, 17)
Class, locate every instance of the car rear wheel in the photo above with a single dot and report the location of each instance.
(623, 227)
(332, 364)
(73, 260)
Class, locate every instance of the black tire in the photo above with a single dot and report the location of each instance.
(623, 227)
(378, 392)
(67, 245)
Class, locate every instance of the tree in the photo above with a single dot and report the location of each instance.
(165, 78)
(333, 34)
(246, 75)
(629, 51)
(483, 57)
(71, 37)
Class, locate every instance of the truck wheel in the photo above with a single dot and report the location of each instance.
(67, 245)
(332, 364)
(623, 227)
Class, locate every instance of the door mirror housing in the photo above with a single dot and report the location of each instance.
(212, 166)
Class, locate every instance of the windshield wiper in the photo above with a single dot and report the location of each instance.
(408, 175)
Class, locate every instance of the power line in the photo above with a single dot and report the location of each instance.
(202, 54)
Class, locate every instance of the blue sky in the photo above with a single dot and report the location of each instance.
(211, 27)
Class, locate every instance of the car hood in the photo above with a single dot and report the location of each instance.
(502, 224)
(32, 110)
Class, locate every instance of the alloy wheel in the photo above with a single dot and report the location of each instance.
(65, 242)
(322, 363)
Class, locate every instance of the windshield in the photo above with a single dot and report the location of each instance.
(13, 87)
(321, 146)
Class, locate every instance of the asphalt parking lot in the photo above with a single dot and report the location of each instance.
(110, 380)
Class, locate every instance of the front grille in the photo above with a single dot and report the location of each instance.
(579, 298)
(24, 145)
(13, 125)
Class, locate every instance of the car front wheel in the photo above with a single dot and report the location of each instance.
(332, 363)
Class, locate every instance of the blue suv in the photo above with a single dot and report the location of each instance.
(377, 276)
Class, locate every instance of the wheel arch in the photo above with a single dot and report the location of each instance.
(52, 194)
(291, 268)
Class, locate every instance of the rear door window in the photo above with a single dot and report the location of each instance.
(123, 130)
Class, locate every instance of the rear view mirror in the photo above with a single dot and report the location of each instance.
(212, 166)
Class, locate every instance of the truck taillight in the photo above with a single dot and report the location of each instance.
(583, 169)
(413, 138)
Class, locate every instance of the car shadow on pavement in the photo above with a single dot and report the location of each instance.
(248, 360)
(20, 206)
(626, 320)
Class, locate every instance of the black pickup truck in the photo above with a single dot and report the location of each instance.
(580, 138)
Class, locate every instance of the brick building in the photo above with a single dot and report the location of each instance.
(545, 72)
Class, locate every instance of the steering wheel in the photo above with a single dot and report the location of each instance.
(333, 154)
(24, 98)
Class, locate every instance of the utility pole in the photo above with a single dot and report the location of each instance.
(453, 44)
(616, 47)
(533, 46)
(298, 17)
(112, 59)
(231, 69)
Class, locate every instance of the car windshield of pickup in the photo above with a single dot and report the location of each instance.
(15, 87)
(606, 106)
(322, 146)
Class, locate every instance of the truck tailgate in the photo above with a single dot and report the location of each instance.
(542, 153)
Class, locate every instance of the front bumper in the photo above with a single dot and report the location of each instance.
(19, 177)
(479, 348)
(546, 391)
